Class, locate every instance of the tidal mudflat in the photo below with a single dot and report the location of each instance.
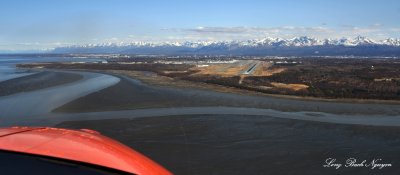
(36, 81)
(18, 108)
(199, 131)
(243, 144)
(133, 94)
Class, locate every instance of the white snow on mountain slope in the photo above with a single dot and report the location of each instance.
(391, 42)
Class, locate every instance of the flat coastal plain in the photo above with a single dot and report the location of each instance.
(220, 143)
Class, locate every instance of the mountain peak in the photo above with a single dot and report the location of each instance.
(362, 40)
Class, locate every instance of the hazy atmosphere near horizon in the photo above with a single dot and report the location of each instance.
(45, 24)
(200, 87)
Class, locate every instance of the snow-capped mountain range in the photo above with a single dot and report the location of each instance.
(264, 46)
(268, 41)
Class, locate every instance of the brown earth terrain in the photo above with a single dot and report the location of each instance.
(321, 78)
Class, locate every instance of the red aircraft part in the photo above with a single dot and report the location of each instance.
(78, 145)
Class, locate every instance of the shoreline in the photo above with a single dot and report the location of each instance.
(134, 94)
(164, 81)
(37, 81)
(41, 102)
(316, 117)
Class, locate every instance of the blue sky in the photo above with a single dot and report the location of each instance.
(41, 24)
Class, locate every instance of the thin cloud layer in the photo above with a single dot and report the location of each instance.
(374, 31)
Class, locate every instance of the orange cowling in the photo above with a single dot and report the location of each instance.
(79, 145)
